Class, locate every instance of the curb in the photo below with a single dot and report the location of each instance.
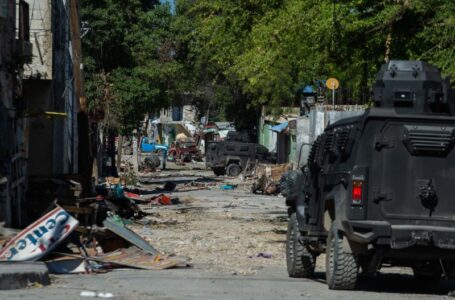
(18, 275)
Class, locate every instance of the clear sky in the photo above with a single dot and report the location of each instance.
(172, 2)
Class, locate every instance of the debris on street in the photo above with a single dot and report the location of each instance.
(40, 238)
(119, 228)
(68, 265)
(135, 258)
(91, 234)
(228, 187)
(268, 178)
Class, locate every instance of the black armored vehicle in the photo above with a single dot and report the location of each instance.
(231, 157)
(379, 189)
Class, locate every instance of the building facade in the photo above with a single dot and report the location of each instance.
(14, 52)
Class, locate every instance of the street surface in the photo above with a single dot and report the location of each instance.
(236, 244)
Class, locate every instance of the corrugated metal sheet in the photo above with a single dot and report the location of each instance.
(309, 128)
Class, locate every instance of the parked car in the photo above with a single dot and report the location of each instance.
(184, 150)
(378, 188)
(232, 157)
(153, 150)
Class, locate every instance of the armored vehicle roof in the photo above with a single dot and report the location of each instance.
(412, 87)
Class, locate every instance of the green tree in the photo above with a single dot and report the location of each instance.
(233, 56)
(131, 59)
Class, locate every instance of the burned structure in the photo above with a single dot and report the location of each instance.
(42, 109)
(55, 103)
(15, 50)
(377, 188)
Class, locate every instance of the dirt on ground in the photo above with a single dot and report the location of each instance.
(232, 231)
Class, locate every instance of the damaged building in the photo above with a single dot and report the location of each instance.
(55, 104)
(15, 50)
(43, 122)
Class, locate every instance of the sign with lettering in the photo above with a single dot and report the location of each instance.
(40, 238)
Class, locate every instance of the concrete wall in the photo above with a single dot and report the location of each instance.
(50, 88)
(188, 113)
(268, 138)
(41, 38)
(40, 153)
(310, 127)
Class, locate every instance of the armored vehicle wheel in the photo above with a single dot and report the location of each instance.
(233, 170)
(219, 171)
(341, 268)
(300, 262)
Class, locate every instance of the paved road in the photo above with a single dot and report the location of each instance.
(270, 280)
(269, 283)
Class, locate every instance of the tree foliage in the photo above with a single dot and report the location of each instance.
(233, 56)
(130, 59)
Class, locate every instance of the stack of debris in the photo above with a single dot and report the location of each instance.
(268, 178)
(90, 234)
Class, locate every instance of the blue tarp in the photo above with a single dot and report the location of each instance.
(308, 89)
(280, 127)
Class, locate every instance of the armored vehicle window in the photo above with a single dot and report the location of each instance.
(244, 148)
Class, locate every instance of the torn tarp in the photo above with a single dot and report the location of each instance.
(280, 127)
(40, 238)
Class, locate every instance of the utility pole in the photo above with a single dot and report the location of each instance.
(82, 147)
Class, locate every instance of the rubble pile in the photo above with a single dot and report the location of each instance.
(91, 234)
(267, 178)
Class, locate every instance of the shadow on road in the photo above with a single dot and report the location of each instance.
(397, 283)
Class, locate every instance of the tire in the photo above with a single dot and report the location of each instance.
(219, 171)
(186, 158)
(299, 261)
(341, 268)
(233, 170)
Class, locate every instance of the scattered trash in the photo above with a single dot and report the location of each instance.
(88, 294)
(105, 295)
(228, 187)
(68, 266)
(40, 238)
(163, 199)
(261, 255)
(169, 186)
(91, 294)
(134, 257)
(268, 178)
(264, 255)
(138, 199)
(129, 235)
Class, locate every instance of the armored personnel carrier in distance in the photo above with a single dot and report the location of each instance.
(379, 189)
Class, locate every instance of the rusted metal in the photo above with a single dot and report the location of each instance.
(129, 235)
(134, 257)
